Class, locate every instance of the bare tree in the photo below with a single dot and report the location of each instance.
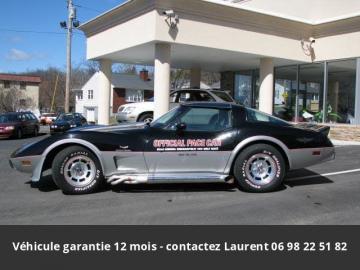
(13, 100)
(179, 77)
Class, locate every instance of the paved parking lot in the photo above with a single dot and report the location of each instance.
(307, 198)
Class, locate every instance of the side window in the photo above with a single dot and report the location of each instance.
(173, 97)
(203, 96)
(206, 119)
(186, 97)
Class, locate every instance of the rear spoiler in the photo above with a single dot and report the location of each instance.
(323, 129)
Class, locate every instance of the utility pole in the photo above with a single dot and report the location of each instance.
(71, 18)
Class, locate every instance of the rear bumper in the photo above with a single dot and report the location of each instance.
(305, 157)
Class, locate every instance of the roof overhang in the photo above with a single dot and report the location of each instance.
(213, 35)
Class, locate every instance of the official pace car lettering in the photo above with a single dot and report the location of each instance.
(187, 145)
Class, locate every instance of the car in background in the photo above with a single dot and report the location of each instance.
(18, 124)
(48, 118)
(144, 111)
(66, 121)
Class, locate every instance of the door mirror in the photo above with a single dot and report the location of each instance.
(180, 127)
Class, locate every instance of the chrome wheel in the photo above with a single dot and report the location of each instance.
(79, 171)
(260, 169)
(148, 120)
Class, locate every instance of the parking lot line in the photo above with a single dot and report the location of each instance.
(324, 174)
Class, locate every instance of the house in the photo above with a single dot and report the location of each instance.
(312, 57)
(28, 87)
(125, 88)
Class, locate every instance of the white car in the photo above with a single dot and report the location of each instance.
(144, 111)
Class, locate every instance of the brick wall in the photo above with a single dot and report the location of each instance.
(118, 99)
(345, 132)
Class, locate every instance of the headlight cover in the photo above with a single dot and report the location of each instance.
(9, 128)
(129, 110)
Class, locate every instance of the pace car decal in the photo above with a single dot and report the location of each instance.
(187, 145)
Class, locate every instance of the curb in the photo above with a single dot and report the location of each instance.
(344, 143)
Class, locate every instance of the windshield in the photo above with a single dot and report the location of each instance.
(66, 117)
(166, 118)
(223, 95)
(7, 118)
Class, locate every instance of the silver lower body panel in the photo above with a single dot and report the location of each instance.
(174, 178)
(305, 157)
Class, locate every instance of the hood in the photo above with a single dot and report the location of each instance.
(62, 122)
(8, 124)
(137, 103)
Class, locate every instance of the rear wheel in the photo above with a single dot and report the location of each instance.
(76, 170)
(146, 118)
(259, 168)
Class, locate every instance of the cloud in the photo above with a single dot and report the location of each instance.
(18, 55)
(15, 39)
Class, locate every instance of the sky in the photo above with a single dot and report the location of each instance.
(26, 51)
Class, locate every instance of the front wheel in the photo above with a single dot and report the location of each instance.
(76, 170)
(146, 118)
(259, 168)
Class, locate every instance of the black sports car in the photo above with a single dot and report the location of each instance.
(197, 142)
(67, 121)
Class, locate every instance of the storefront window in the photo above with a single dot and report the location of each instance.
(310, 97)
(243, 89)
(285, 92)
(341, 92)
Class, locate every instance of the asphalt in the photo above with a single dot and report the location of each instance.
(333, 199)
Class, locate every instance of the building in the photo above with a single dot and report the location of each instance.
(308, 49)
(28, 87)
(125, 88)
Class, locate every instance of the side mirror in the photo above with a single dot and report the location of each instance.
(180, 127)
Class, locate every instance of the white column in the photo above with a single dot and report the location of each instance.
(104, 92)
(162, 79)
(195, 78)
(357, 93)
(266, 93)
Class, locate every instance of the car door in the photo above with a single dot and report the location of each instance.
(26, 123)
(199, 140)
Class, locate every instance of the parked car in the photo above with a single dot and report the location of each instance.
(66, 121)
(144, 111)
(195, 142)
(18, 124)
(48, 118)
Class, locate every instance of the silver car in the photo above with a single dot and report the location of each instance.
(144, 111)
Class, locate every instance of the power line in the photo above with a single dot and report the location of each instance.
(35, 32)
(84, 7)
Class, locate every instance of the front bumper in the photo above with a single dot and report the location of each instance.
(59, 129)
(124, 117)
(28, 164)
(4, 134)
(305, 157)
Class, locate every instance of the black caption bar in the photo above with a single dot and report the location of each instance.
(131, 246)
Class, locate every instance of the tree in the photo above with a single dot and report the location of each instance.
(13, 100)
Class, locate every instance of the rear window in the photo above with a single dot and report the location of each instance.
(223, 95)
(257, 116)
